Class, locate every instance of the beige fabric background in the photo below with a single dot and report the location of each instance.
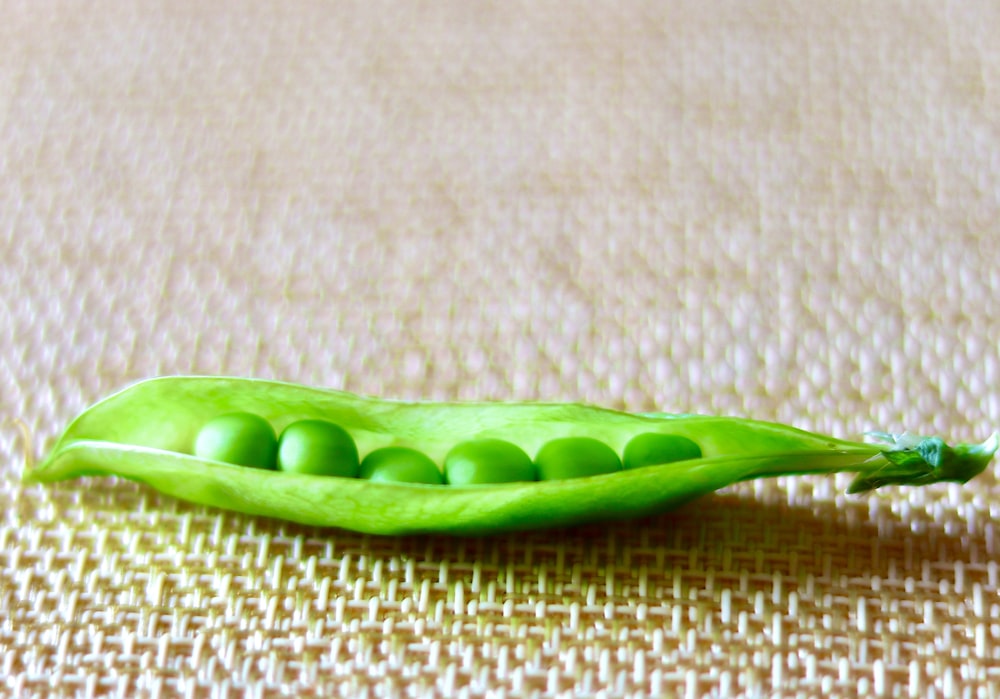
(788, 210)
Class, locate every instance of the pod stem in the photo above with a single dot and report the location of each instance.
(922, 461)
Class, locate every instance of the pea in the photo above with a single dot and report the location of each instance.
(244, 439)
(575, 457)
(654, 448)
(317, 447)
(400, 465)
(487, 461)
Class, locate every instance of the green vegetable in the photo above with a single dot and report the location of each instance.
(576, 457)
(400, 465)
(487, 461)
(653, 448)
(149, 432)
(317, 447)
(244, 439)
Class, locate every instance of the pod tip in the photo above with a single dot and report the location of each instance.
(27, 444)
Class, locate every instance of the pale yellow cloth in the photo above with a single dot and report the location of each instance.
(787, 210)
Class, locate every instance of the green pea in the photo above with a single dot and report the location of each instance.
(317, 447)
(400, 465)
(243, 439)
(487, 461)
(654, 448)
(575, 457)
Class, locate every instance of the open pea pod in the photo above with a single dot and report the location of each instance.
(147, 433)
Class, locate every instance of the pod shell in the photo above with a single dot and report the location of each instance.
(146, 432)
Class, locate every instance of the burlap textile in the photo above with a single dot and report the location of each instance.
(786, 210)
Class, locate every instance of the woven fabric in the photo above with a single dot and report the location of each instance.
(785, 210)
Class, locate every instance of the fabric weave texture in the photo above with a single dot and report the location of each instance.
(780, 210)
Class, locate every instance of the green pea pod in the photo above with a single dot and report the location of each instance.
(147, 433)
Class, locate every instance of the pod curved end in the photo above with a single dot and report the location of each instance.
(925, 461)
(27, 448)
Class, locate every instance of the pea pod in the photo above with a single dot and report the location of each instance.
(148, 432)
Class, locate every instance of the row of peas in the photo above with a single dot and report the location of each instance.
(320, 447)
